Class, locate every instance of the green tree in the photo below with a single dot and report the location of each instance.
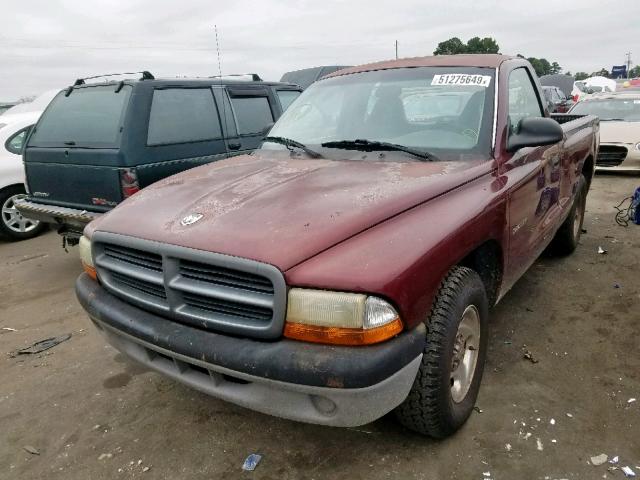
(581, 75)
(482, 45)
(603, 72)
(453, 46)
(555, 68)
(541, 66)
(568, 73)
(634, 72)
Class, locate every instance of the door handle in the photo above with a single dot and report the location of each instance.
(234, 146)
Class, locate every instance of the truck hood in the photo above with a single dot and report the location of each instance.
(280, 210)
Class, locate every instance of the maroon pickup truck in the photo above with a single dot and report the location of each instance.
(347, 268)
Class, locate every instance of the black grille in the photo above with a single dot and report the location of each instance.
(135, 257)
(611, 155)
(226, 307)
(225, 276)
(190, 286)
(139, 285)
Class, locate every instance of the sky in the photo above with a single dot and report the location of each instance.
(46, 44)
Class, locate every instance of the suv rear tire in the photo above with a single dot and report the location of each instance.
(13, 226)
(446, 387)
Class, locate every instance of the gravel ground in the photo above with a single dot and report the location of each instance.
(90, 413)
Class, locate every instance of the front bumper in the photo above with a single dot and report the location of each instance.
(322, 384)
(72, 218)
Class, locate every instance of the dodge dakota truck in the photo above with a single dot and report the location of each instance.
(346, 269)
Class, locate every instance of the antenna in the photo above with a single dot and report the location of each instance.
(396, 49)
(222, 90)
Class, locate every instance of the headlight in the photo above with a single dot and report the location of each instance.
(339, 318)
(86, 258)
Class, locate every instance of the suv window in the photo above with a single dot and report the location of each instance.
(180, 115)
(16, 141)
(287, 97)
(88, 116)
(252, 113)
(523, 100)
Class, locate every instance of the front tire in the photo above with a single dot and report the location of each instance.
(13, 226)
(446, 387)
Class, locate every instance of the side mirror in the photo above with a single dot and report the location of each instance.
(535, 132)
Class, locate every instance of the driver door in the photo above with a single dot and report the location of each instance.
(535, 175)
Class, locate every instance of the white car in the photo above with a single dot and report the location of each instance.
(14, 129)
(588, 87)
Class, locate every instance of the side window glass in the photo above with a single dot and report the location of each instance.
(287, 97)
(180, 115)
(523, 101)
(15, 143)
(252, 113)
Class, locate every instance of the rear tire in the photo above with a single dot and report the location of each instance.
(567, 237)
(13, 226)
(446, 387)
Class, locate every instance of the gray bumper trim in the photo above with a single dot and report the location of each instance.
(54, 214)
(320, 405)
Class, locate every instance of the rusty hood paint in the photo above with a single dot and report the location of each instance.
(280, 210)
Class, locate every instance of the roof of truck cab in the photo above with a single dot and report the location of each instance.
(475, 60)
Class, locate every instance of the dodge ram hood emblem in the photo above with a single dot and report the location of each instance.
(191, 219)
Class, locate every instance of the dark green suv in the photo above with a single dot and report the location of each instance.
(97, 144)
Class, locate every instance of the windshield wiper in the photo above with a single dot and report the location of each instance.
(70, 142)
(290, 144)
(612, 119)
(371, 145)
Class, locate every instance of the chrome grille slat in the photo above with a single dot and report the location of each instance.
(207, 290)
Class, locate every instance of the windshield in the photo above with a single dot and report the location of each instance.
(88, 117)
(627, 110)
(447, 111)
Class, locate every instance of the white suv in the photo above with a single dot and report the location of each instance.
(14, 129)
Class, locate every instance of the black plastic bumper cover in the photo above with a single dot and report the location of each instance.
(284, 360)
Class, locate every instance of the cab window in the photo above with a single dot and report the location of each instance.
(523, 99)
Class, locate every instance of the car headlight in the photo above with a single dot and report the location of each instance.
(339, 318)
(86, 258)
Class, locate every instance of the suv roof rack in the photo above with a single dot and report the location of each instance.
(254, 76)
(145, 76)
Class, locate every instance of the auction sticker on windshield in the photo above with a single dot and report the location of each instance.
(461, 79)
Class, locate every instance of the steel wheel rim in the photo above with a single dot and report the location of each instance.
(13, 219)
(465, 353)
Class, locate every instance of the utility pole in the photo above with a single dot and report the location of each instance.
(396, 49)
(628, 54)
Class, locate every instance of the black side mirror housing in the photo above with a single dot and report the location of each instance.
(535, 132)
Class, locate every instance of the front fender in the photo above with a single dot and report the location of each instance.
(405, 258)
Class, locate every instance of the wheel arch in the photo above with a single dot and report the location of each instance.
(487, 260)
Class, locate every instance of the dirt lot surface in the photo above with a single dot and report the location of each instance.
(90, 413)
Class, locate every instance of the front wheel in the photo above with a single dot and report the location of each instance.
(446, 387)
(13, 225)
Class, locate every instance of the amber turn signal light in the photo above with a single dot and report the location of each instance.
(91, 271)
(342, 336)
